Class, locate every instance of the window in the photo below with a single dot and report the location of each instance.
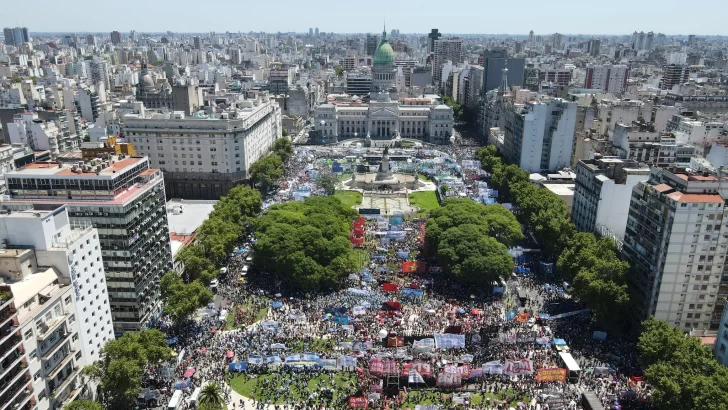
(67, 301)
(29, 333)
(33, 354)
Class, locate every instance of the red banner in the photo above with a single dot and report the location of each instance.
(358, 403)
(464, 371)
(551, 375)
(377, 367)
(449, 377)
(413, 267)
(522, 318)
(423, 368)
(389, 287)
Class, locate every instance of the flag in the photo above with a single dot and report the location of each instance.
(415, 377)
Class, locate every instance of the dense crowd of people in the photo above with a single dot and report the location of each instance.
(317, 352)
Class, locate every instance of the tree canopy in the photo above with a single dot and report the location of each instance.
(681, 370)
(120, 369)
(283, 148)
(328, 183)
(471, 240)
(306, 244)
(182, 299)
(219, 234)
(266, 171)
(83, 405)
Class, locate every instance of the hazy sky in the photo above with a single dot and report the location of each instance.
(705, 17)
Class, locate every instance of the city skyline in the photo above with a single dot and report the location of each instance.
(512, 19)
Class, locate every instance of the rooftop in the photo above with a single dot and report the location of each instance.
(696, 198)
(192, 214)
(115, 165)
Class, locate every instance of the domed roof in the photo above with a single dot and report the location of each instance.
(384, 54)
(147, 81)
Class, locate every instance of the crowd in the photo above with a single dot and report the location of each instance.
(375, 318)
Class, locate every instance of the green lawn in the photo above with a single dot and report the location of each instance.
(426, 201)
(424, 178)
(248, 307)
(246, 386)
(349, 198)
(345, 176)
(428, 397)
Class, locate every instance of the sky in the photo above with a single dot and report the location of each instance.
(409, 16)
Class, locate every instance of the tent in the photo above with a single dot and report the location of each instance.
(278, 346)
(172, 340)
(389, 287)
(189, 372)
(229, 354)
(276, 305)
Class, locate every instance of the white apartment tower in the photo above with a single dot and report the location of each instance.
(608, 78)
(676, 242)
(55, 269)
(40, 135)
(445, 49)
(540, 134)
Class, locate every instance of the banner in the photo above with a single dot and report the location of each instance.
(358, 403)
(378, 367)
(396, 341)
(347, 361)
(255, 359)
(508, 338)
(493, 368)
(449, 377)
(518, 367)
(522, 317)
(415, 377)
(328, 364)
(526, 337)
(422, 368)
(551, 375)
(449, 341)
(360, 346)
(464, 371)
(476, 373)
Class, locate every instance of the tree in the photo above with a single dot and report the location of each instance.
(306, 244)
(328, 183)
(339, 70)
(83, 405)
(682, 372)
(443, 191)
(502, 225)
(182, 300)
(211, 394)
(120, 369)
(266, 171)
(283, 148)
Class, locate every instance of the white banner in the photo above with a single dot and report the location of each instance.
(415, 377)
(518, 367)
(493, 368)
(449, 341)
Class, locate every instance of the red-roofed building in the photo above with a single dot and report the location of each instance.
(676, 242)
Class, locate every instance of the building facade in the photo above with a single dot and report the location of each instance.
(676, 242)
(608, 78)
(539, 134)
(123, 198)
(205, 156)
(721, 341)
(446, 49)
(602, 194)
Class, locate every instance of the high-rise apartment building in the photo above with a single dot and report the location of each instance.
(674, 74)
(124, 200)
(593, 47)
(56, 268)
(279, 80)
(115, 37)
(16, 36)
(676, 242)
(358, 84)
(608, 78)
(603, 192)
(446, 49)
(557, 40)
(560, 76)
(434, 35)
(100, 72)
(204, 157)
(39, 135)
(539, 134)
(197, 42)
(494, 61)
(17, 390)
(372, 42)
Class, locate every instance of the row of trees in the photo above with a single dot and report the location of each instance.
(216, 238)
(681, 370)
(595, 271)
(306, 244)
(266, 171)
(471, 240)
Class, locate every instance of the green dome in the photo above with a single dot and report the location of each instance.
(384, 54)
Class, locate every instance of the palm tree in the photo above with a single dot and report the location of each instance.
(211, 394)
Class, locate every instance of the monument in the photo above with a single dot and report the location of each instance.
(384, 178)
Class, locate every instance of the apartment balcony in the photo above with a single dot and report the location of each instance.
(7, 330)
(62, 339)
(6, 314)
(9, 349)
(18, 392)
(53, 372)
(47, 328)
(68, 389)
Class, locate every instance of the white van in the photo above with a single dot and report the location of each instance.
(223, 270)
(195, 396)
(244, 271)
(176, 400)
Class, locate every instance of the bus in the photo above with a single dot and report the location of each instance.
(571, 365)
(195, 396)
(590, 401)
(522, 296)
(175, 401)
